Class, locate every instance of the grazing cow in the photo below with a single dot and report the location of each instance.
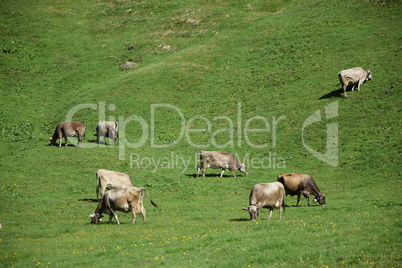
(111, 180)
(266, 195)
(352, 77)
(125, 200)
(68, 129)
(225, 161)
(298, 184)
(107, 129)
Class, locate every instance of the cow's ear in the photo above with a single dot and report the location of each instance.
(246, 208)
(92, 215)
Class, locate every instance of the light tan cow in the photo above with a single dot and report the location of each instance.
(217, 160)
(68, 129)
(353, 77)
(107, 129)
(111, 180)
(124, 200)
(266, 195)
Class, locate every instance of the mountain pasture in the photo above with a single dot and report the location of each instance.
(256, 78)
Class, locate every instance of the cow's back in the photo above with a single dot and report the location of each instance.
(268, 194)
(113, 178)
(67, 128)
(352, 75)
(218, 159)
(120, 199)
(74, 128)
(292, 182)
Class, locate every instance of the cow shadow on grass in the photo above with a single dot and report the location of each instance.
(102, 143)
(239, 220)
(89, 200)
(302, 206)
(62, 145)
(194, 175)
(334, 94)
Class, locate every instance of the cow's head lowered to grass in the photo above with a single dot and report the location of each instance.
(320, 199)
(252, 209)
(243, 169)
(95, 218)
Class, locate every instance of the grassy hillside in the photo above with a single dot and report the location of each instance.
(210, 75)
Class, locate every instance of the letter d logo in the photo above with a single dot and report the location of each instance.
(331, 155)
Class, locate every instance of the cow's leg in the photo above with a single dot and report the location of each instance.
(222, 172)
(144, 214)
(344, 91)
(97, 138)
(308, 200)
(102, 190)
(203, 171)
(112, 213)
(270, 213)
(234, 174)
(198, 171)
(97, 192)
(79, 141)
(298, 199)
(280, 212)
(134, 215)
(361, 81)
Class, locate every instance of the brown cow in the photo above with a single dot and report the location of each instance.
(125, 200)
(68, 129)
(225, 161)
(352, 77)
(107, 129)
(298, 184)
(266, 195)
(111, 180)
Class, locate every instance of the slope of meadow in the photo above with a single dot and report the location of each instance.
(210, 75)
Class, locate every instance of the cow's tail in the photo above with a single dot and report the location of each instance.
(283, 191)
(117, 129)
(199, 165)
(98, 186)
(55, 136)
(85, 126)
(142, 189)
(283, 203)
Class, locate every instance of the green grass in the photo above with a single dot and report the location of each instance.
(218, 64)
